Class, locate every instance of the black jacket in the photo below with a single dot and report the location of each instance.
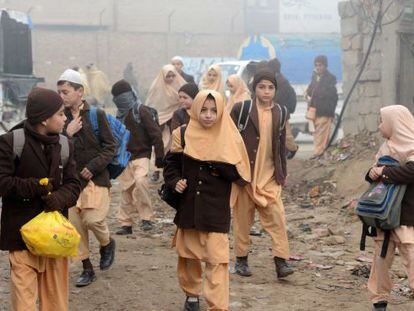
(205, 204)
(18, 192)
(90, 151)
(324, 94)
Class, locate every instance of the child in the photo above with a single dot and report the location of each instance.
(213, 80)
(93, 153)
(397, 127)
(36, 277)
(213, 157)
(186, 95)
(265, 144)
(239, 91)
(144, 134)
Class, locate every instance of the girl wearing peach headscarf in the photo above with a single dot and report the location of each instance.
(202, 169)
(239, 91)
(213, 80)
(163, 96)
(397, 127)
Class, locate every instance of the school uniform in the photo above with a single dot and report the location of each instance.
(265, 145)
(34, 277)
(94, 153)
(397, 124)
(203, 214)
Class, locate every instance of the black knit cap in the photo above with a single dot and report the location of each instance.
(42, 104)
(264, 74)
(190, 89)
(321, 59)
(122, 86)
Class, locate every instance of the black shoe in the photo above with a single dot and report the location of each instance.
(124, 230)
(87, 277)
(146, 225)
(380, 306)
(291, 154)
(191, 305)
(282, 268)
(107, 255)
(242, 267)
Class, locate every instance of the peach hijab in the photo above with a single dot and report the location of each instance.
(163, 96)
(241, 94)
(398, 125)
(217, 85)
(220, 143)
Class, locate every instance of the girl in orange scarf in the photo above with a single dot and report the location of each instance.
(202, 168)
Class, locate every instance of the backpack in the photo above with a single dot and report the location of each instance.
(244, 116)
(168, 195)
(120, 161)
(19, 140)
(380, 207)
(154, 114)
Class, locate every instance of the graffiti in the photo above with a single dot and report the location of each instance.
(197, 66)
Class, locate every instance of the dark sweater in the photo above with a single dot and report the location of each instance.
(20, 203)
(92, 152)
(324, 94)
(204, 205)
(144, 135)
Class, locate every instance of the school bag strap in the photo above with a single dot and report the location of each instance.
(93, 117)
(244, 115)
(19, 140)
(182, 134)
(284, 113)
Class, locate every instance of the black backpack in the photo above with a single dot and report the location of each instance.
(168, 195)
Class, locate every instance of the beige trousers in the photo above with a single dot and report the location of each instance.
(379, 283)
(216, 284)
(90, 214)
(290, 140)
(34, 277)
(135, 196)
(272, 218)
(321, 135)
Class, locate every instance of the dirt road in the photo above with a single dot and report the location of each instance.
(143, 277)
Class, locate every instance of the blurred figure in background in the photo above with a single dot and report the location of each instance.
(178, 63)
(213, 80)
(163, 96)
(322, 96)
(98, 83)
(186, 95)
(129, 76)
(238, 91)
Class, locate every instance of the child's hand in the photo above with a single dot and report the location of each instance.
(181, 185)
(376, 172)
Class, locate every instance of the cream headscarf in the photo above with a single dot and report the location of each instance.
(220, 143)
(241, 94)
(164, 97)
(217, 85)
(398, 125)
(98, 84)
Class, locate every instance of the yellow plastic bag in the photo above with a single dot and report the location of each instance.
(51, 235)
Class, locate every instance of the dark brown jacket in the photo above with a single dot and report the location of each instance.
(402, 175)
(251, 137)
(90, 151)
(144, 135)
(205, 204)
(20, 203)
(188, 78)
(285, 94)
(324, 94)
(180, 117)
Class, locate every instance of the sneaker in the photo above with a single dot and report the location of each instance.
(242, 267)
(124, 230)
(87, 277)
(107, 255)
(380, 306)
(192, 304)
(146, 225)
(282, 268)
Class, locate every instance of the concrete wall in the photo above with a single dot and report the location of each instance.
(378, 85)
(111, 33)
